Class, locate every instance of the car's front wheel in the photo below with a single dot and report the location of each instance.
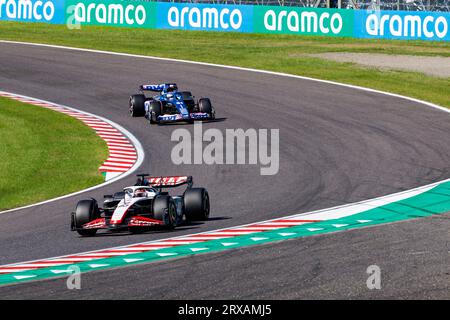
(137, 105)
(196, 204)
(205, 106)
(86, 211)
(164, 209)
(155, 111)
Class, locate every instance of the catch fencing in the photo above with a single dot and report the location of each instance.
(404, 5)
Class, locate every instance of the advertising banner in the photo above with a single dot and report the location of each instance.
(305, 21)
(49, 11)
(191, 16)
(131, 14)
(402, 25)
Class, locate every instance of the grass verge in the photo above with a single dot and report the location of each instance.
(45, 154)
(283, 53)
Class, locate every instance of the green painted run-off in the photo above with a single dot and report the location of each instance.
(433, 202)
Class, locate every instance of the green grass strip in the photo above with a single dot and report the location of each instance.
(433, 202)
(281, 53)
(45, 154)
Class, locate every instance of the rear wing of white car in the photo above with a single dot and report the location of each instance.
(164, 182)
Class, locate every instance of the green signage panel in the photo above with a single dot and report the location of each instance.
(111, 13)
(305, 21)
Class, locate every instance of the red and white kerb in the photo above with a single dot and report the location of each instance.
(224, 234)
(122, 153)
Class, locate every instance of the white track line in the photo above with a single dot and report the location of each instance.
(281, 74)
(229, 232)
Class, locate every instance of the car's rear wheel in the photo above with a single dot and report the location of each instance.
(86, 211)
(164, 209)
(196, 204)
(137, 105)
(155, 111)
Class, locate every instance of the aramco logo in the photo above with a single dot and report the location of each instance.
(27, 10)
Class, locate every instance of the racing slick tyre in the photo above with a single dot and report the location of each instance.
(204, 105)
(196, 204)
(155, 111)
(164, 209)
(137, 108)
(86, 211)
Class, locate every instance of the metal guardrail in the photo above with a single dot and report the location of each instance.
(406, 5)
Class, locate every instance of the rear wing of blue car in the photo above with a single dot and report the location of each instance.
(152, 87)
(158, 87)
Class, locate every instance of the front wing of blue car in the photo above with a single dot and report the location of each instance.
(179, 117)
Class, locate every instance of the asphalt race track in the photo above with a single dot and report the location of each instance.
(337, 145)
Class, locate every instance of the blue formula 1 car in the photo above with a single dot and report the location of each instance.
(169, 105)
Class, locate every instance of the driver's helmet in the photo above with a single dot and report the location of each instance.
(171, 88)
(140, 193)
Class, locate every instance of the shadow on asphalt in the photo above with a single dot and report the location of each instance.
(184, 123)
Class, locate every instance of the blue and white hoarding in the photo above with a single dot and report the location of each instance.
(402, 25)
(49, 11)
(207, 17)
